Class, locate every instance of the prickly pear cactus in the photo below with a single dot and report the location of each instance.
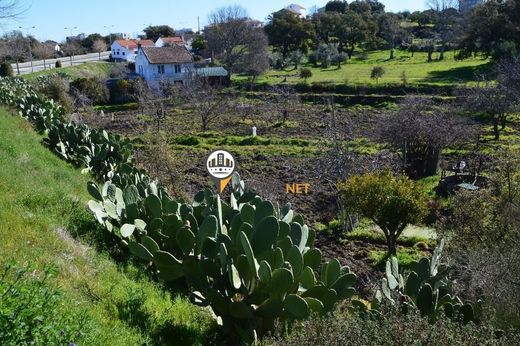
(252, 262)
(427, 288)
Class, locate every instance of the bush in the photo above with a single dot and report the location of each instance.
(392, 328)
(6, 70)
(305, 73)
(57, 89)
(57, 64)
(30, 310)
(377, 72)
(92, 88)
(120, 92)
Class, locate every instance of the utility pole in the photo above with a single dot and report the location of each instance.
(110, 27)
(30, 48)
(198, 25)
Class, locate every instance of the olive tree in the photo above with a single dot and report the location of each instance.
(391, 202)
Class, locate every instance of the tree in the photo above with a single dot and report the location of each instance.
(390, 29)
(377, 72)
(71, 48)
(445, 22)
(296, 58)
(336, 6)
(10, 9)
(354, 30)
(339, 58)
(288, 32)
(199, 44)
(283, 101)
(154, 32)
(391, 202)
(420, 129)
(305, 73)
(205, 100)
(43, 51)
(16, 48)
(88, 42)
(99, 47)
(490, 26)
(233, 39)
(327, 25)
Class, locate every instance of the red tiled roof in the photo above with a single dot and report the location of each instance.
(132, 44)
(167, 55)
(176, 39)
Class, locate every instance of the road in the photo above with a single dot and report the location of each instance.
(38, 65)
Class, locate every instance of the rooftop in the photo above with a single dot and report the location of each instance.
(167, 55)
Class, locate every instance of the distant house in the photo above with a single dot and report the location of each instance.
(297, 10)
(173, 64)
(126, 50)
(168, 41)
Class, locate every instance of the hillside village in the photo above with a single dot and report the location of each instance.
(338, 174)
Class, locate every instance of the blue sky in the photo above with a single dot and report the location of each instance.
(52, 17)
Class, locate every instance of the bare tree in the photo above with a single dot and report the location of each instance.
(16, 48)
(205, 101)
(282, 101)
(71, 48)
(43, 51)
(420, 129)
(232, 37)
(445, 21)
(10, 9)
(99, 47)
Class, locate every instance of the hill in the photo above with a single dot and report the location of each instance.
(44, 223)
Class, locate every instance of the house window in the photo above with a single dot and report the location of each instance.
(160, 69)
(123, 53)
(177, 68)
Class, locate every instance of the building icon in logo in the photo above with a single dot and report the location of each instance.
(221, 165)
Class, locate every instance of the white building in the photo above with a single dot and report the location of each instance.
(173, 64)
(297, 9)
(162, 41)
(126, 50)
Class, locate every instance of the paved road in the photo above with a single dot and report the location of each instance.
(65, 61)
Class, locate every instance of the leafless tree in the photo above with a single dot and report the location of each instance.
(71, 48)
(282, 101)
(10, 9)
(43, 51)
(232, 37)
(420, 129)
(99, 47)
(205, 100)
(16, 48)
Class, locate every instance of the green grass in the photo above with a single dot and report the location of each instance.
(90, 69)
(41, 200)
(269, 146)
(405, 256)
(357, 71)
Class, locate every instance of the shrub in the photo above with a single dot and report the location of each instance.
(6, 70)
(392, 328)
(57, 64)
(30, 309)
(120, 92)
(93, 88)
(391, 202)
(57, 89)
(377, 72)
(305, 73)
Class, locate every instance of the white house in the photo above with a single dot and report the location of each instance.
(297, 10)
(173, 64)
(162, 41)
(126, 50)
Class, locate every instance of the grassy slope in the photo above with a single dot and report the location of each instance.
(90, 69)
(357, 71)
(37, 194)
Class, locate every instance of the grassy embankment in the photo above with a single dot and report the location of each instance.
(43, 222)
(99, 69)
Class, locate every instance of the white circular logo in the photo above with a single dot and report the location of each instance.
(220, 164)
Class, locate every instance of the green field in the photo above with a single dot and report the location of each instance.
(357, 71)
(89, 69)
(44, 222)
